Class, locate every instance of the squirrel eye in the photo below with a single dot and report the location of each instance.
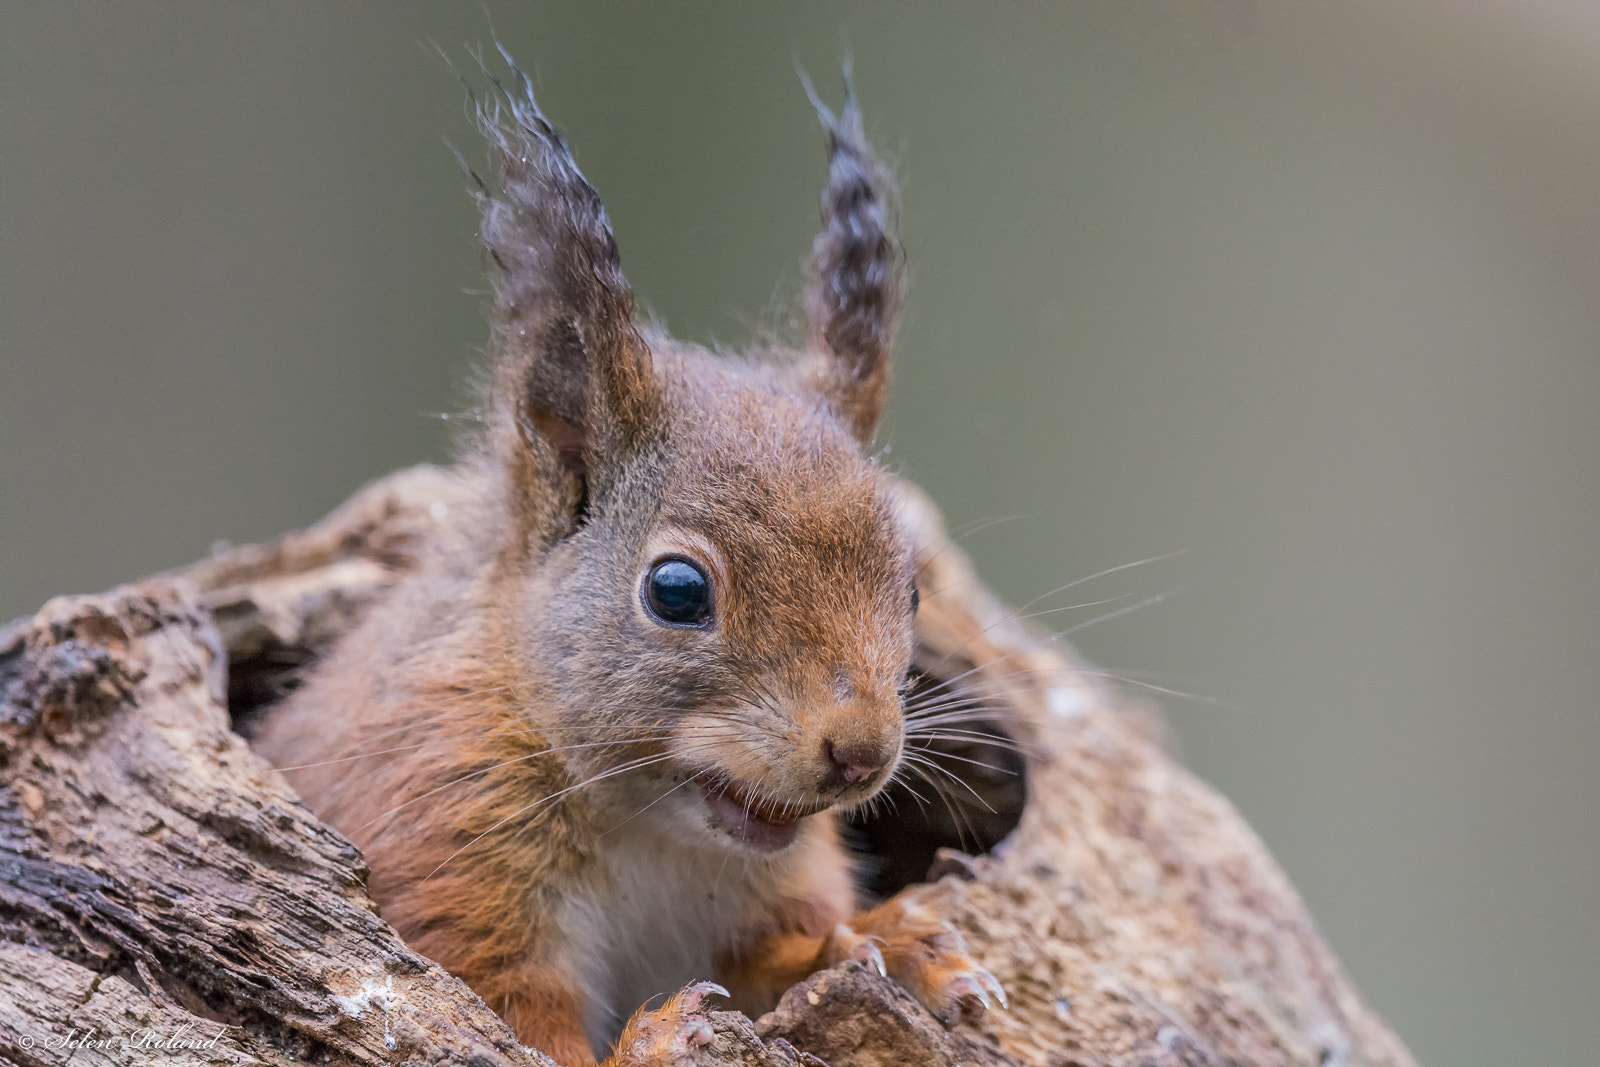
(678, 593)
(915, 598)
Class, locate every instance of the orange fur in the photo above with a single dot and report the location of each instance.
(545, 1012)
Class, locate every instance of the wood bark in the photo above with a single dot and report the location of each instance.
(161, 883)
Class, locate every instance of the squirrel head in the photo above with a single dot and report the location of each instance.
(699, 563)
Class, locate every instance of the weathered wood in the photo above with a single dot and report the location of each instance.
(848, 1014)
(157, 873)
(158, 876)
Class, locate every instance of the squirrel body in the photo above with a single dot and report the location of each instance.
(592, 745)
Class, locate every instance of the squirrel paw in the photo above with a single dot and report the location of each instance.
(924, 954)
(668, 1036)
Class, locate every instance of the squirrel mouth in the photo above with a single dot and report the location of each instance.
(760, 822)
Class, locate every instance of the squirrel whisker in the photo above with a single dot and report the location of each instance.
(962, 823)
(475, 737)
(968, 697)
(1200, 698)
(974, 736)
(1019, 616)
(485, 770)
(611, 773)
(648, 806)
(1163, 557)
(942, 754)
(982, 717)
(928, 762)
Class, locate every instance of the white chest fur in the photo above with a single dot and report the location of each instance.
(664, 912)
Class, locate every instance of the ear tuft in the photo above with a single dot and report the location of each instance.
(573, 375)
(857, 283)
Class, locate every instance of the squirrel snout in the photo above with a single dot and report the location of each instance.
(854, 761)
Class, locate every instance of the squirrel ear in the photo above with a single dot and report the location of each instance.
(857, 283)
(572, 371)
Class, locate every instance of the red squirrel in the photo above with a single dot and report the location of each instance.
(596, 746)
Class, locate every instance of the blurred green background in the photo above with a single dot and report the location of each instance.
(1307, 290)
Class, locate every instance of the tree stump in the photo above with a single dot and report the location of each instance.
(165, 894)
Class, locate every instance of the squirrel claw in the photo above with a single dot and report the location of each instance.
(992, 984)
(868, 952)
(846, 944)
(974, 988)
(969, 988)
(696, 994)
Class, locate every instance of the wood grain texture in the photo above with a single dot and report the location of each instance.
(157, 875)
(156, 872)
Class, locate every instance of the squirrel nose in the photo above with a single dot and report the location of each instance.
(854, 761)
